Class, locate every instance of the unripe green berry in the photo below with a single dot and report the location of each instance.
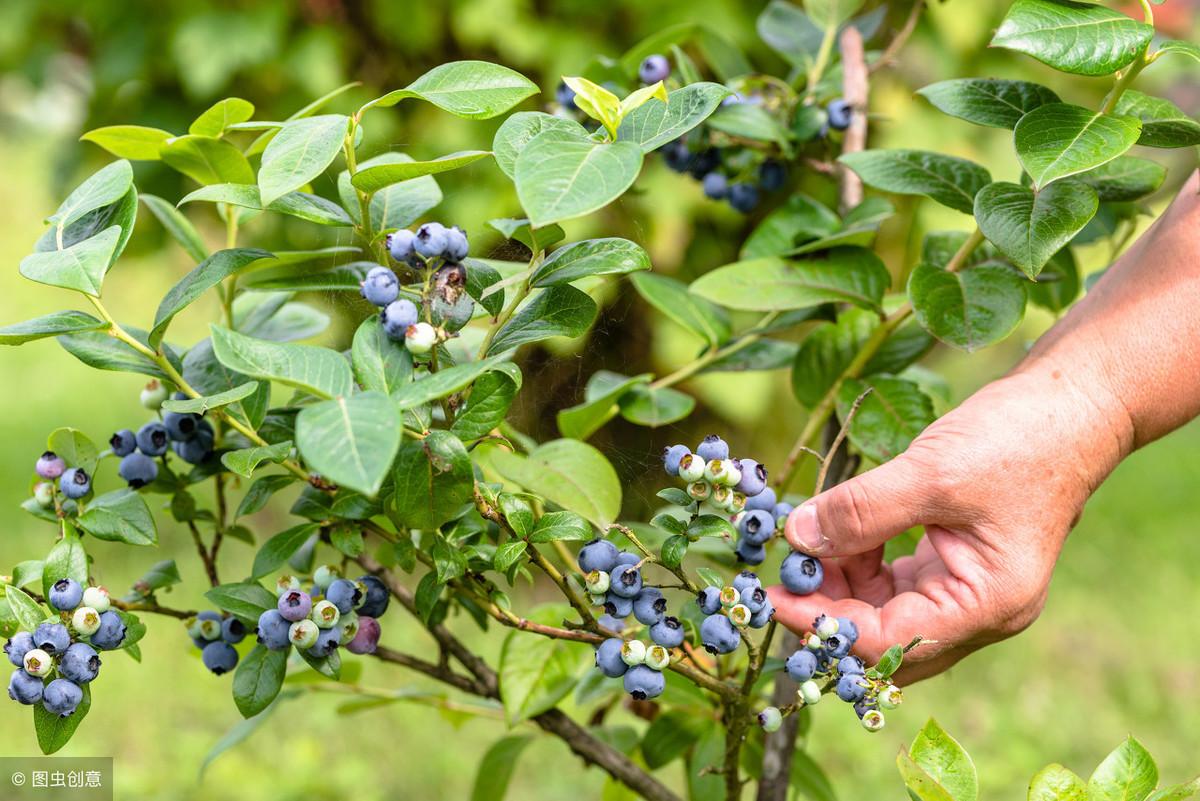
(85, 620)
(736, 520)
(38, 662)
(737, 502)
(890, 697)
(153, 395)
(97, 598)
(730, 474)
(43, 494)
(714, 472)
(812, 642)
(740, 614)
(633, 652)
(209, 629)
(597, 582)
(598, 598)
(349, 626)
(285, 584)
(699, 490)
(770, 719)
(730, 597)
(809, 693)
(325, 575)
(720, 496)
(303, 633)
(657, 657)
(420, 338)
(325, 614)
(691, 468)
(826, 626)
(873, 720)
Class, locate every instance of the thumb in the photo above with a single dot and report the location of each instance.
(860, 514)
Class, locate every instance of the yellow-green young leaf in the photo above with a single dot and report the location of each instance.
(103, 188)
(80, 267)
(596, 102)
(372, 179)
(889, 418)
(559, 176)
(1127, 773)
(207, 161)
(1081, 38)
(219, 116)
(671, 297)
(299, 153)
(971, 308)
(1056, 783)
(516, 131)
(129, 141)
(473, 89)
(640, 97)
(351, 441)
(26, 610)
(993, 102)
(654, 124)
(246, 460)
(569, 473)
(921, 786)
(205, 403)
(50, 325)
(260, 144)
(1058, 140)
(950, 181)
(1177, 792)
(1179, 46)
(74, 447)
(850, 275)
(303, 205)
(1163, 123)
(1031, 227)
(178, 226)
(317, 370)
(943, 759)
(257, 680)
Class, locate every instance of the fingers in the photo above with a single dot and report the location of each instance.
(861, 514)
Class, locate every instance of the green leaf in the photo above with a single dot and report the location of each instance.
(380, 363)
(517, 512)
(653, 408)
(472, 89)
(1079, 38)
(497, 766)
(220, 115)
(316, 370)
(808, 777)
(1058, 140)
(259, 144)
(205, 276)
(29, 572)
(943, 759)
(66, 559)
(507, 555)
(599, 405)
(207, 161)
(851, 275)
(205, 403)
(969, 309)
(397, 206)
(1031, 227)
(831, 13)
(610, 256)
(710, 526)
(101, 351)
(299, 153)
(444, 382)
(1058, 283)
(1127, 774)
(1056, 783)
(597, 102)
(704, 779)
(559, 311)
(239, 732)
(1124, 179)
(569, 473)
(381, 176)
(765, 354)
(178, 226)
(516, 132)
(801, 219)
(1163, 123)
(76, 449)
(351, 441)
(559, 177)
(120, 516)
(50, 325)
(135, 142)
(556, 526)
(433, 480)
(53, 732)
(487, 406)
(747, 121)
(655, 124)
(260, 492)
(246, 600)
(890, 417)
(257, 680)
(279, 548)
(674, 548)
(859, 228)
(671, 297)
(1177, 792)
(826, 353)
(246, 460)
(208, 376)
(302, 205)
(103, 188)
(80, 266)
(27, 611)
(993, 102)
(1179, 46)
(949, 180)
(538, 672)
(670, 736)
(921, 786)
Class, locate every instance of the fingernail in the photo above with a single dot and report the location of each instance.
(804, 532)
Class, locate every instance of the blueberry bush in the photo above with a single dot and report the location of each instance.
(409, 485)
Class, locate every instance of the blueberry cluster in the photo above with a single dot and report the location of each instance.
(728, 610)
(215, 635)
(335, 612)
(73, 482)
(189, 436)
(57, 658)
(720, 173)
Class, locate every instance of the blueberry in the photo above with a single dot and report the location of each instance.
(754, 599)
(756, 527)
(851, 664)
(273, 630)
(397, 316)
(873, 721)
(626, 581)
(37, 662)
(97, 598)
(303, 633)
(80, 663)
(718, 635)
(716, 186)
(851, 687)
(763, 616)
(691, 468)
(430, 240)
(380, 287)
(344, 594)
(780, 512)
(709, 600)
(111, 632)
(801, 574)
(668, 632)
(643, 682)
(366, 638)
(626, 558)
(649, 606)
(654, 68)
(325, 614)
(657, 657)
(207, 626)
(233, 630)
(704, 162)
(61, 697)
(181, 427)
(50, 465)
(764, 500)
(457, 246)
(123, 443)
(296, 605)
(75, 483)
(599, 554)
(890, 697)
(43, 493)
(633, 652)
(847, 627)
(199, 448)
(677, 156)
(24, 689)
(731, 596)
(138, 469)
(753, 480)
(85, 621)
(618, 606)
(801, 665)
(772, 174)
(608, 658)
(152, 439)
(348, 626)
(837, 645)
(65, 594)
(712, 447)
(327, 642)
(744, 579)
(743, 197)
(825, 626)
(611, 623)
(219, 657)
(839, 113)
(17, 646)
(376, 598)
(809, 692)
(671, 456)
(286, 583)
(750, 553)
(862, 707)
(564, 95)
(53, 638)
(770, 719)
(400, 244)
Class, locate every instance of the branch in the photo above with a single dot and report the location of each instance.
(854, 92)
(888, 57)
(442, 673)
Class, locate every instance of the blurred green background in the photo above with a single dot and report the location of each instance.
(1116, 652)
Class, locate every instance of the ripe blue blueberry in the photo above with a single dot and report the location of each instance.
(65, 594)
(219, 657)
(626, 581)
(611, 623)
(668, 632)
(380, 287)
(780, 512)
(756, 527)
(649, 606)
(396, 318)
(848, 627)
(344, 594)
(457, 245)
(764, 500)
(181, 427)
(801, 574)
(618, 606)
(599, 554)
(837, 645)
(80, 663)
(676, 155)
(654, 68)
(772, 174)
(719, 635)
(111, 632)
(75, 483)
(17, 646)
(564, 95)
(750, 553)
(744, 579)
(24, 689)
(608, 658)
(851, 687)
(712, 447)
(753, 480)
(801, 665)
(296, 605)
(376, 599)
(626, 558)
(198, 448)
(704, 162)
(50, 465)
(754, 599)
(709, 600)
(366, 639)
(430, 240)
(123, 443)
(53, 638)
(763, 616)
(273, 630)
(851, 664)
(743, 197)
(61, 697)
(233, 630)
(152, 439)
(839, 113)
(400, 244)
(671, 456)
(862, 707)
(327, 642)
(138, 469)
(716, 186)
(643, 682)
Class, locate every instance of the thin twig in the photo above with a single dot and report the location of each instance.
(855, 93)
(888, 57)
(837, 441)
